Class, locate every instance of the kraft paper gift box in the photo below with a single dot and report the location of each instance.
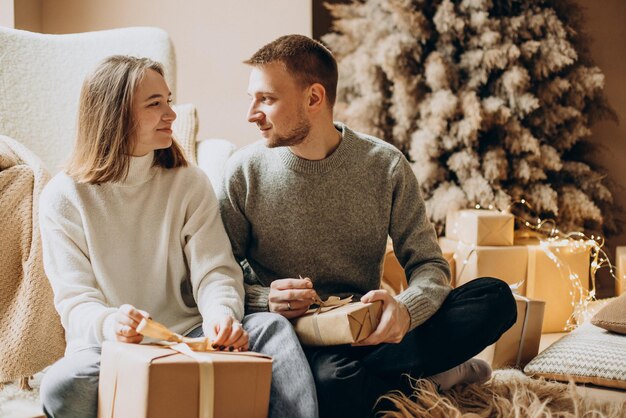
(620, 272)
(508, 263)
(551, 267)
(480, 227)
(346, 324)
(520, 343)
(140, 380)
(394, 278)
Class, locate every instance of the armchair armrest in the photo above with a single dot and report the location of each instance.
(212, 157)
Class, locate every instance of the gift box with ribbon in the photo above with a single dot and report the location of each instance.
(508, 263)
(558, 273)
(145, 380)
(341, 324)
(520, 343)
(480, 227)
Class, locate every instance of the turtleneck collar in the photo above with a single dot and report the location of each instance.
(140, 170)
(334, 160)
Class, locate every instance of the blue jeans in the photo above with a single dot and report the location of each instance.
(70, 387)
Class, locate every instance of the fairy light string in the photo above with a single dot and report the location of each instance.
(552, 241)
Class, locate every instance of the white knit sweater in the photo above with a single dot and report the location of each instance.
(136, 242)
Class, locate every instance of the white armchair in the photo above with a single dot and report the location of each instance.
(40, 80)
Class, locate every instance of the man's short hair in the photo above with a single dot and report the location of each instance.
(306, 59)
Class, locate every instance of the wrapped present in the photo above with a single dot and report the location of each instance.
(394, 278)
(480, 227)
(558, 273)
(449, 256)
(141, 380)
(620, 273)
(345, 324)
(520, 343)
(507, 263)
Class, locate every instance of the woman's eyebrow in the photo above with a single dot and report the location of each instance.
(157, 96)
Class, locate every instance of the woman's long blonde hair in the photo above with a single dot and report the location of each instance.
(105, 137)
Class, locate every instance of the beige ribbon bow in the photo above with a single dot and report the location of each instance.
(153, 329)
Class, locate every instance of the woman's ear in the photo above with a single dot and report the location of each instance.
(317, 97)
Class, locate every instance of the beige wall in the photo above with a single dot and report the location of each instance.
(7, 14)
(605, 25)
(211, 38)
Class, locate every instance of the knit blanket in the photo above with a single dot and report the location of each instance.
(31, 335)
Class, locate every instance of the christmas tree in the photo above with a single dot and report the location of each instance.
(492, 101)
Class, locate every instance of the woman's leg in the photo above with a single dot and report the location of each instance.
(70, 386)
(293, 389)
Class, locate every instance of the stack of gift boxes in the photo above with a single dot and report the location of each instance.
(547, 277)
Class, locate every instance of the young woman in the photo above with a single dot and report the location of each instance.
(129, 229)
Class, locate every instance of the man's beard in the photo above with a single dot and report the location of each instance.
(295, 137)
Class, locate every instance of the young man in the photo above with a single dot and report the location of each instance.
(318, 200)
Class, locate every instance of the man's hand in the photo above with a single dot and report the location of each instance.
(126, 320)
(291, 297)
(227, 333)
(394, 321)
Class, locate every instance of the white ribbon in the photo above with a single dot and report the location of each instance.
(206, 393)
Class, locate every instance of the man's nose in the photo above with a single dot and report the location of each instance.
(254, 115)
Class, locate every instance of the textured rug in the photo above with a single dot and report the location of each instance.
(19, 403)
(509, 394)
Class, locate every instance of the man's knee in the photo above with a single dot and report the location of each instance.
(501, 303)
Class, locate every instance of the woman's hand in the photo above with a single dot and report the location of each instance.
(125, 323)
(227, 334)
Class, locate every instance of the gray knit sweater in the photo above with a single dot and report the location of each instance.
(329, 220)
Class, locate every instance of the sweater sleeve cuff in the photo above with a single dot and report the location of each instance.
(108, 327)
(257, 297)
(215, 315)
(418, 305)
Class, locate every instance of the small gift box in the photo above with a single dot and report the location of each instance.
(480, 227)
(620, 273)
(394, 278)
(449, 256)
(142, 380)
(472, 261)
(520, 343)
(345, 324)
(558, 273)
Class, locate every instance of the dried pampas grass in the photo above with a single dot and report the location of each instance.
(509, 394)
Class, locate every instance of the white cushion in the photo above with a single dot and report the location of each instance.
(212, 157)
(185, 129)
(587, 355)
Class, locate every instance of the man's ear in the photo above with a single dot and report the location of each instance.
(317, 97)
